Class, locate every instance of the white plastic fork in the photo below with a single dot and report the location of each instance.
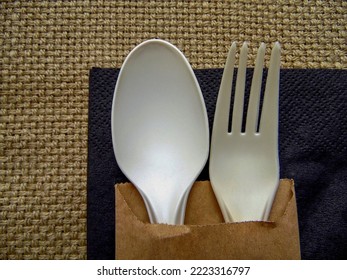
(244, 166)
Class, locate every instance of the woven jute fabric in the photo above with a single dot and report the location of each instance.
(47, 49)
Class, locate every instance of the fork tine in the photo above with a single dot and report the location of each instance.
(221, 116)
(240, 91)
(269, 116)
(253, 105)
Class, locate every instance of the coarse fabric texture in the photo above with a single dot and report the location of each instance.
(47, 50)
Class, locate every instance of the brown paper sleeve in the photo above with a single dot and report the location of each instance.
(204, 234)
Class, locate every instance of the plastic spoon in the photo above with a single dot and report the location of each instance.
(160, 128)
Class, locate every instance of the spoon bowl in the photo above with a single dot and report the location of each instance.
(160, 128)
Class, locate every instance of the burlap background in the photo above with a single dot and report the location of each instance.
(47, 49)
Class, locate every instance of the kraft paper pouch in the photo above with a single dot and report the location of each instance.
(204, 234)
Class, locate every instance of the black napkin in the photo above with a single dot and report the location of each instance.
(312, 147)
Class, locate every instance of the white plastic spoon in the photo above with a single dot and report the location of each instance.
(160, 128)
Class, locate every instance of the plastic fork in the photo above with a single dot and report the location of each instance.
(244, 165)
